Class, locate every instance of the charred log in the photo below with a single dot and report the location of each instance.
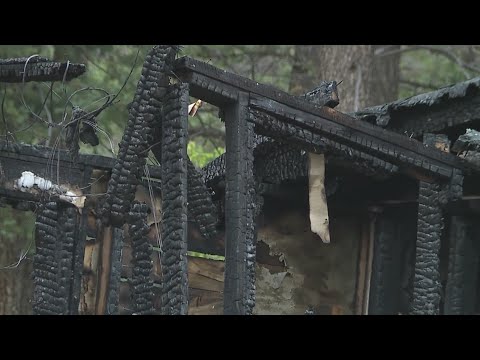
(133, 148)
(240, 204)
(429, 112)
(365, 163)
(141, 282)
(174, 201)
(56, 231)
(427, 285)
(115, 271)
(38, 68)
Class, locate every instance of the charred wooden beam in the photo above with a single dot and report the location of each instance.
(386, 145)
(454, 294)
(434, 111)
(56, 234)
(46, 296)
(174, 201)
(462, 257)
(427, 286)
(201, 208)
(363, 162)
(239, 294)
(220, 87)
(141, 282)
(115, 272)
(272, 157)
(19, 157)
(38, 68)
(79, 248)
(138, 135)
(334, 125)
(381, 283)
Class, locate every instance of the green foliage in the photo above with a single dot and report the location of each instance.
(424, 71)
(201, 156)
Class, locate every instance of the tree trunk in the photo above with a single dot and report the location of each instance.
(366, 80)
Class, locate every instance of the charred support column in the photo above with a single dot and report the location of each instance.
(174, 201)
(142, 283)
(53, 265)
(379, 300)
(460, 250)
(239, 294)
(115, 271)
(430, 223)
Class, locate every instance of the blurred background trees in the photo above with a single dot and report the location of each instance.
(371, 74)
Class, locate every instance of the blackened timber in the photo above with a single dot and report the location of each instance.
(42, 155)
(426, 284)
(381, 285)
(433, 111)
(79, 248)
(239, 294)
(226, 85)
(138, 136)
(19, 70)
(141, 282)
(174, 201)
(268, 151)
(454, 294)
(115, 271)
(378, 142)
(67, 241)
(460, 250)
(365, 163)
(46, 293)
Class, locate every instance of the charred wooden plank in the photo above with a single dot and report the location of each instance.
(454, 294)
(174, 201)
(365, 163)
(141, 281)
(41, 155)
(427, 286)
(227, 85)
(18, 70)
(434, 111)
(385, 238)
(56, 234)
(138, 135)
(115, 271)
(239, 208)
(386, 145)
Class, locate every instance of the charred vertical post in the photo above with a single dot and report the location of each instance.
(142, 283)
(240, 199)
(46, 299)
(384, 239)
(174, 201)
(460, 250)
(79, 249)
(56, 233)
(430, 223)
(115, 271)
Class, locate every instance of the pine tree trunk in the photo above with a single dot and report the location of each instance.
(366, 80)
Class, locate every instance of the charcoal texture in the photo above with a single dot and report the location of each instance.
(174, 201)
(56, 233)
(141, 282)
(144, 111)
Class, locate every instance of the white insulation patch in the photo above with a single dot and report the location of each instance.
(30, 182)
(319, 222)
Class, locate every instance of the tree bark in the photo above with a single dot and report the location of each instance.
(366, 79)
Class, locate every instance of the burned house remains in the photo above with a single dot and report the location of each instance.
(314, 211)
